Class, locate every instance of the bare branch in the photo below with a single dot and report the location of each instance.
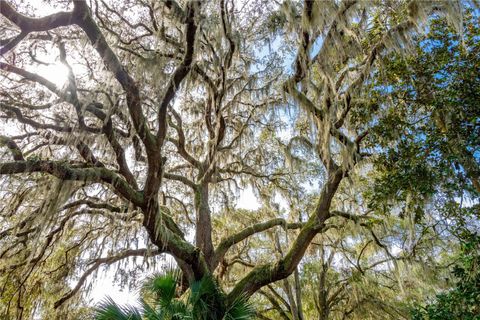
(28, 24)
(182, 179)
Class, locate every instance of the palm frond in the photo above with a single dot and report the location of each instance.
(206, 299)
(110, 310)
(241, 309)
(163, 286)
(149, 312)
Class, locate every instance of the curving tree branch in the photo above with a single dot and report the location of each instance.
(228, 242)
(100, 261)
(265, 274)
(64, 171)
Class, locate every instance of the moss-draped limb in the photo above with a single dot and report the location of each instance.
(228, 242)
(83, 18)
(98, 262)
(65, 171)
(268, 273)
(13, 147)
(168, 240)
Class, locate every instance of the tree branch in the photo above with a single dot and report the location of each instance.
(265, 274)
(180, 178)
(228, 242)
(181, 72)
(63, 171)
(85, 21)
(28, 24)
(107, 260)
(13, 147)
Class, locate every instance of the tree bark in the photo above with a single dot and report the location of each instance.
(298, 293)
(324, 310)
(203, 236)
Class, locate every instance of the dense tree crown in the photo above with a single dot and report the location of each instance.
(130, 131)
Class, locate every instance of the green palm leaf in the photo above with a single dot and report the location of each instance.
(110, 310)
(206, 299)
(241, 309)
(163, 286)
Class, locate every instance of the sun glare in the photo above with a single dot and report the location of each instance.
(56, 73)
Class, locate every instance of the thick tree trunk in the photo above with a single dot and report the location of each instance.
(203, 236)
(164, 233)
(167, 236)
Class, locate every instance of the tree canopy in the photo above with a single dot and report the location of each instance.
(355, 124)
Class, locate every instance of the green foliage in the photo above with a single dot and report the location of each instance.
(462, 302)
(204, 301)
(428, 133)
